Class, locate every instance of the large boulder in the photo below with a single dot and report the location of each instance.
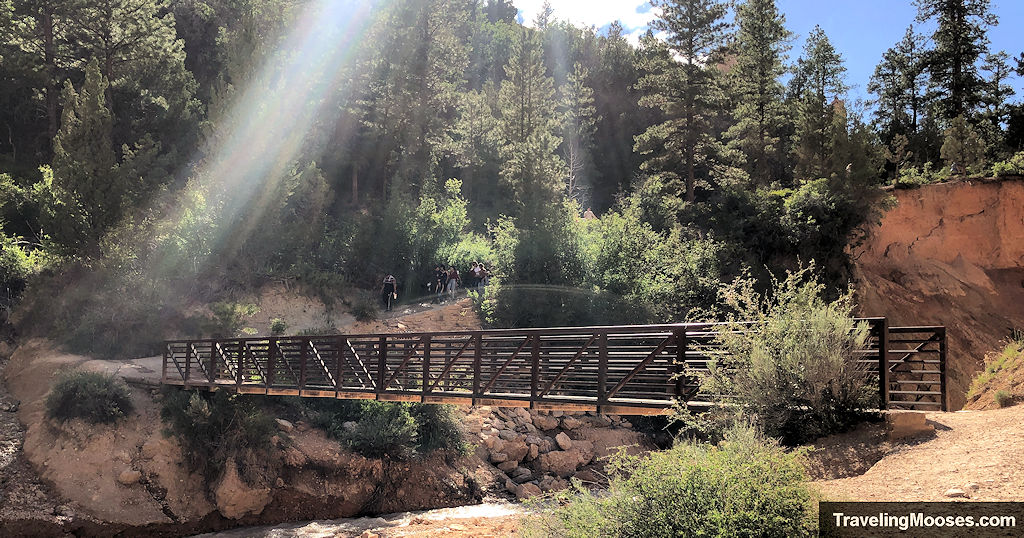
(545, 422)
(235, 498)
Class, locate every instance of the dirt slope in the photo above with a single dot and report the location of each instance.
(976, 451)
(949, 254)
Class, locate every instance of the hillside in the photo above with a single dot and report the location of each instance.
(949, 254)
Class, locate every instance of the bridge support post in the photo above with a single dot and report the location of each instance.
(271, 346)
(211, 375)
(942, 369)
(534, 370)
(477, 358)
(680, 366)
(426, 368)
(882, 326)
(602, 370)
(304, 345)
(382, 363)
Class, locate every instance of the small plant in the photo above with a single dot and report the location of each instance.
(744, 486)
(213, 428)
(437, 428)
(227, 318)
(364, 309)
(1003, 398)
(91, 396)
(384, 429)
(278, 326)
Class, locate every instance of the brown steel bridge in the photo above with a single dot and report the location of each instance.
(628, 370)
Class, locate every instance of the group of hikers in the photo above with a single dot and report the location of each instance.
(444, 282)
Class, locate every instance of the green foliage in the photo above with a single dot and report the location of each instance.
(383, 429)
(1007, 365)
(365, 307)
(1003, 398)
(819, 84)
(744, 486)
(278, 326)
(228, 318)
(963, 147)
(215, 427)
(797, 376)
(91, 396)
(437, 428)
(1014, 166)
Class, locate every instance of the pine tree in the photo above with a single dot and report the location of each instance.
(997, 108)
(899, 85)
(963, 149)
(682, 80)
(88, 193)
(527, 126)
(960, 41)
(820, 74)
(760, 113)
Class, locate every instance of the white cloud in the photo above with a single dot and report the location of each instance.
(594, 13)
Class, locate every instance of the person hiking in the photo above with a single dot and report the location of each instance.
(453, 281)
(476, 275)
(440, 281)
(389, 291)
(484, 275)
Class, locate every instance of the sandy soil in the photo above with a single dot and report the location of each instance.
(979, 452)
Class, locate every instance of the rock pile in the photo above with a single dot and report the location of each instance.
(539, 451)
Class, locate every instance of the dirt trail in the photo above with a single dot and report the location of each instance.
(970, 448)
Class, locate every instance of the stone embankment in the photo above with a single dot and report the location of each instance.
(539, 451)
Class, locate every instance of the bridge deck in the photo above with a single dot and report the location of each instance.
(629, 370)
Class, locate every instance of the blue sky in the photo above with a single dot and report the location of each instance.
(861, 30)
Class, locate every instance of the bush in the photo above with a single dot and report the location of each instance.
(437, 428)
(796, 376)
(91, 396)
(215, 427)
(384, 429)
(744, 486)
(1003, 398)
(364, 308)
(278, 326)
(1014, 166)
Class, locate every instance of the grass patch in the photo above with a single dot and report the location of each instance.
(1003, 398)
(91, 396)
(1003, 366)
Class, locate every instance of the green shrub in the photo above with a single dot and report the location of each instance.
(383, 429)
(437, 428)
(364, 308)
(91, 396)
(215, 427)
(227, 318)
(278, 326)
(1003, 398)
(745, 486)
(1014, 166)
(796, 376)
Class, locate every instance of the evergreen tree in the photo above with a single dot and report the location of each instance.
(900, 88)
(527, 126)
(960, 41)
(821, 79)
(760, 113)
(963, 149)
(997, 108)
(86, 194)
(682, 80)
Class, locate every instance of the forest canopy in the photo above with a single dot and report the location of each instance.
(159, 153)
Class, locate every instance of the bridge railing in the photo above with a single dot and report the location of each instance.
(635, 369)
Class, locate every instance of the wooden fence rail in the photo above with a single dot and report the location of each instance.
(636, 369)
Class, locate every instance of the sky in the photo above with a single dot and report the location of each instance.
(861, 30)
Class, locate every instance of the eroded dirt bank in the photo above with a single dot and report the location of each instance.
(949, 254)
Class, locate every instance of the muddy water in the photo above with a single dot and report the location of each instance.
(393, 524)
